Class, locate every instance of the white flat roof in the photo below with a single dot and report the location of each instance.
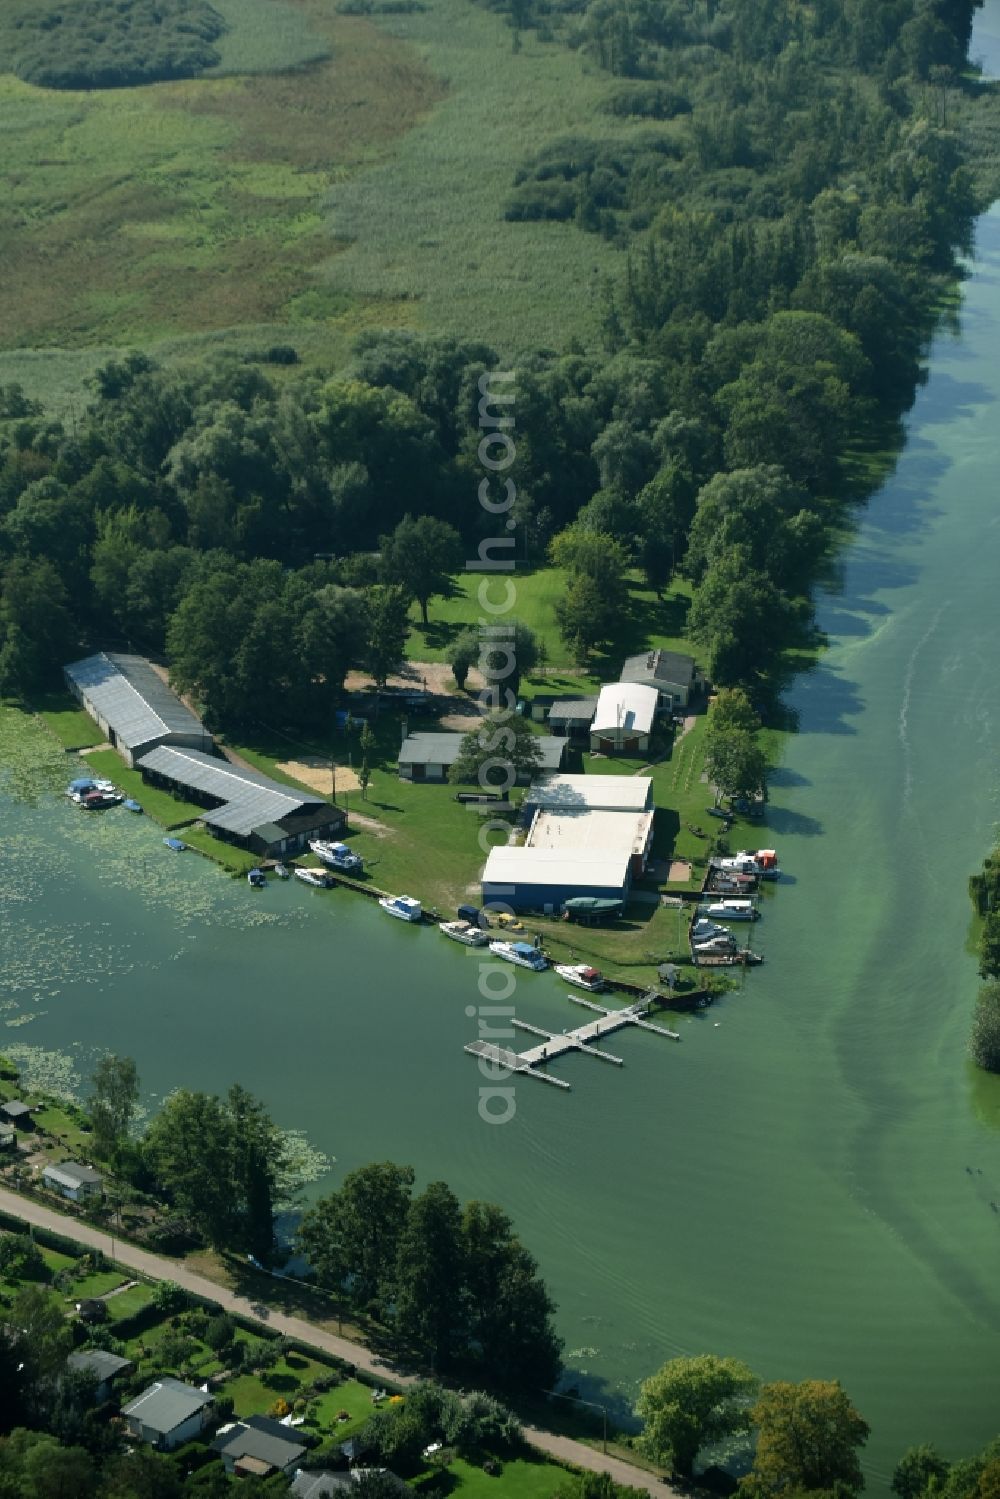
(581, 868)
(599, 793)
(625, 706)
(591, 830)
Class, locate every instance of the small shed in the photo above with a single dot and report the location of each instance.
(15, 1111)
(571, 718)
(429, 757)
(104, 1367)
(72, 1180)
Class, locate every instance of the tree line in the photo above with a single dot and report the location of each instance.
(806, 1438)
(785, 264)
(451, 1283)
(984, 888)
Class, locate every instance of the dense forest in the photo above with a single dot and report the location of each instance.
(787, 254)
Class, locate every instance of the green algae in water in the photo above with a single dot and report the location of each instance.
(52, 1072)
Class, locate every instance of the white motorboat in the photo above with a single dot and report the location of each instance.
(524, 954)
(318, 877)
(583, 976)
(465, 932)
(337, 856)
(405, 907)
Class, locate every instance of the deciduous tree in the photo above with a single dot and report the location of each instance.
(420, 555)
(808, 1436)
(691, 1402)
(496, 753)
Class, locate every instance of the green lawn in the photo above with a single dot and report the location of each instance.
(521, 1478)
(236, 860)
(649, 622)
(74, 729)
(169, 811)
(427, 844)
(127, 1303)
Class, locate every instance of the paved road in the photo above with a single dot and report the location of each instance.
(157, 1268)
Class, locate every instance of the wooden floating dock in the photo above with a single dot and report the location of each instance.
(555, 1044)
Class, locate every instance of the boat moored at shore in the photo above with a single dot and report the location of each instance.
(317, 877)
(337, 856)
(524, 954)
(405, 907)
(583, 976)
(464, 932)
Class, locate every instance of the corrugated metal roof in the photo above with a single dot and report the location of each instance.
(72, 1174)
(248, 798)
(578, 868)
(627, 707)
(598, 793)
(258, 1437)
(573, 710)
(442, 749)
(132, 698)
(167, 1404)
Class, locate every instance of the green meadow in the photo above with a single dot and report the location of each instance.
(333, 173)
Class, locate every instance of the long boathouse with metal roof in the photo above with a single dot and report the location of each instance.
(133, 706)
(243, 806)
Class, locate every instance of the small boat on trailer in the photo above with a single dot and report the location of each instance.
(175, 845)
(464, 932)
(404, 907)
(256, 878)
(592, 908)
(584, 977)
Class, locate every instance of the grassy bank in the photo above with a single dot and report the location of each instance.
(169, 811)
(649, 621)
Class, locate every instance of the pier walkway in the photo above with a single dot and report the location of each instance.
(556, 1044)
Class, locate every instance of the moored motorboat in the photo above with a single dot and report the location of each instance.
(131, 805)
(256, 878)
(317, 877)
(337, 856)
(98, 801)
(583, 976)
(281, 872)
(766, 860)
(524, 954)
(730, 910)
(175, 844)
(405, 907)
(464, 932)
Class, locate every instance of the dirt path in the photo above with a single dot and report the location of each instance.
(157, 1268)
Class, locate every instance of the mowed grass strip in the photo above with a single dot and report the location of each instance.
(169, 811)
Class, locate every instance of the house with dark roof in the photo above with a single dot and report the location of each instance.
(258, 1445)
(168, 1414)
(429, 757)
(15, 1111)
(674, 676)
(72, 1180)
(243, 806)
(132, 705)
(104, 1368)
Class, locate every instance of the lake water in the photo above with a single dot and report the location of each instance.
(806, 1182)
